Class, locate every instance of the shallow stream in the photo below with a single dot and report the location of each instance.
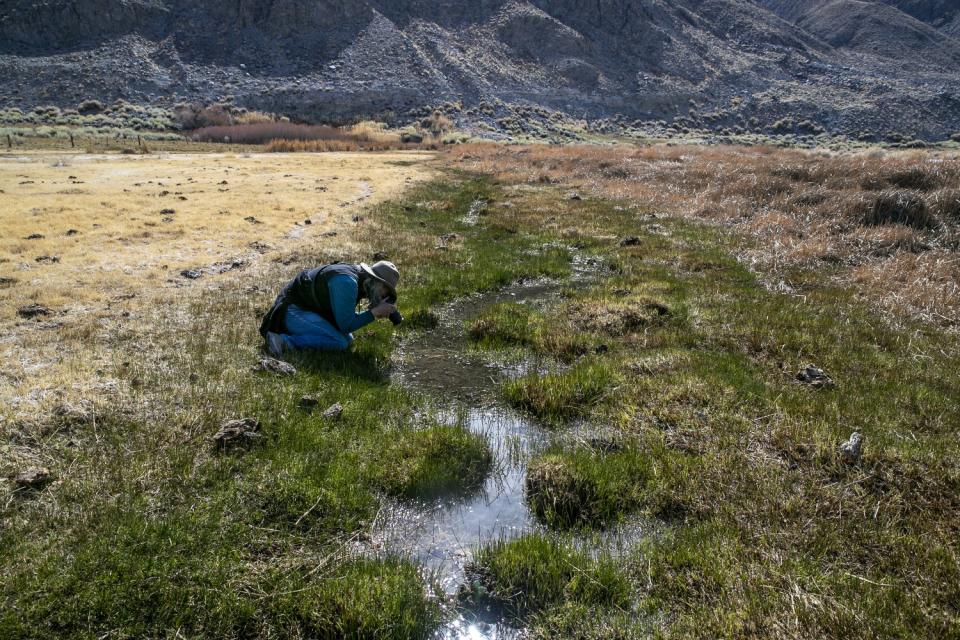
(442, 535)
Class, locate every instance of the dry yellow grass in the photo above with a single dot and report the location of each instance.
(111, 248)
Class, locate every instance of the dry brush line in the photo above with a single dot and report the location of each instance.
(890, 219)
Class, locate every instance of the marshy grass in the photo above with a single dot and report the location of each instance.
(440, 460)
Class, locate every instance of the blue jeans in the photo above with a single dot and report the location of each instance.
(308, 330)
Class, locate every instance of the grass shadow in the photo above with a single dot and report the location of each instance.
(360, 365)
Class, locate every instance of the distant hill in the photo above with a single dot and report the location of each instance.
(943, 15)
(877, 28)
(848, 66)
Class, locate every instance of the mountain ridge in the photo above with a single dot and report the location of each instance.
(849, 66)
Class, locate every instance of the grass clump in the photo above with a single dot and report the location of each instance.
(618, 316)
(555, 397)
(439, 460)
(535, 572)
(518, 325)
(586, 488)
(897, 207)
(360, 599)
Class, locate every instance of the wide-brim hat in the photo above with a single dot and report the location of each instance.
(385, 272)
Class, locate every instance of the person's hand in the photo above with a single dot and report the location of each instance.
(383, 310)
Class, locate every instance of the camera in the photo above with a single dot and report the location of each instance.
(394, 317)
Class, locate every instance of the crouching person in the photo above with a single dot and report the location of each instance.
(318, 308)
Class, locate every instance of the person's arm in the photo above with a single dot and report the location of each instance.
(343, 301)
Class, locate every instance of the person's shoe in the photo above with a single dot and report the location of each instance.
(275, 344)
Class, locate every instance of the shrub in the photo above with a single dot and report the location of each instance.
(90, 107)
(214, 116)
(437, 123)
(252, 117)
(370, 131)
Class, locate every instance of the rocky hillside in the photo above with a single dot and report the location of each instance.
(845, 66)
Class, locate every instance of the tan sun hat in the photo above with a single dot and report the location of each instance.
(384, 272)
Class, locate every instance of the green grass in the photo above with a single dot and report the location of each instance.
(434, 461)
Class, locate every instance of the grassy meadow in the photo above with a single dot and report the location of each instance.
(711, 288)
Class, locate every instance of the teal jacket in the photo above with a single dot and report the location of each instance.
(331, 291)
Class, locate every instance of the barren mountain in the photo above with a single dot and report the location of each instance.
(847, 66)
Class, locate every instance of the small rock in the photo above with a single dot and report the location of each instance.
(47, 259)
(33, 311)
(191, 274)
(34, 236)
(334, 412)
(630, 241)
(33, 478)
(851, 450)
(72, 232)
(237, 432)
(308, 403)
(252, 220)
(7, 282)
(272, 365)
(574, 196)
(167, 212)
(814, 376)
(448, 237)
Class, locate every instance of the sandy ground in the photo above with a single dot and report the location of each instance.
(120, 227)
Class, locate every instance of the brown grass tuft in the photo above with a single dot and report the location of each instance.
(896, 207)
